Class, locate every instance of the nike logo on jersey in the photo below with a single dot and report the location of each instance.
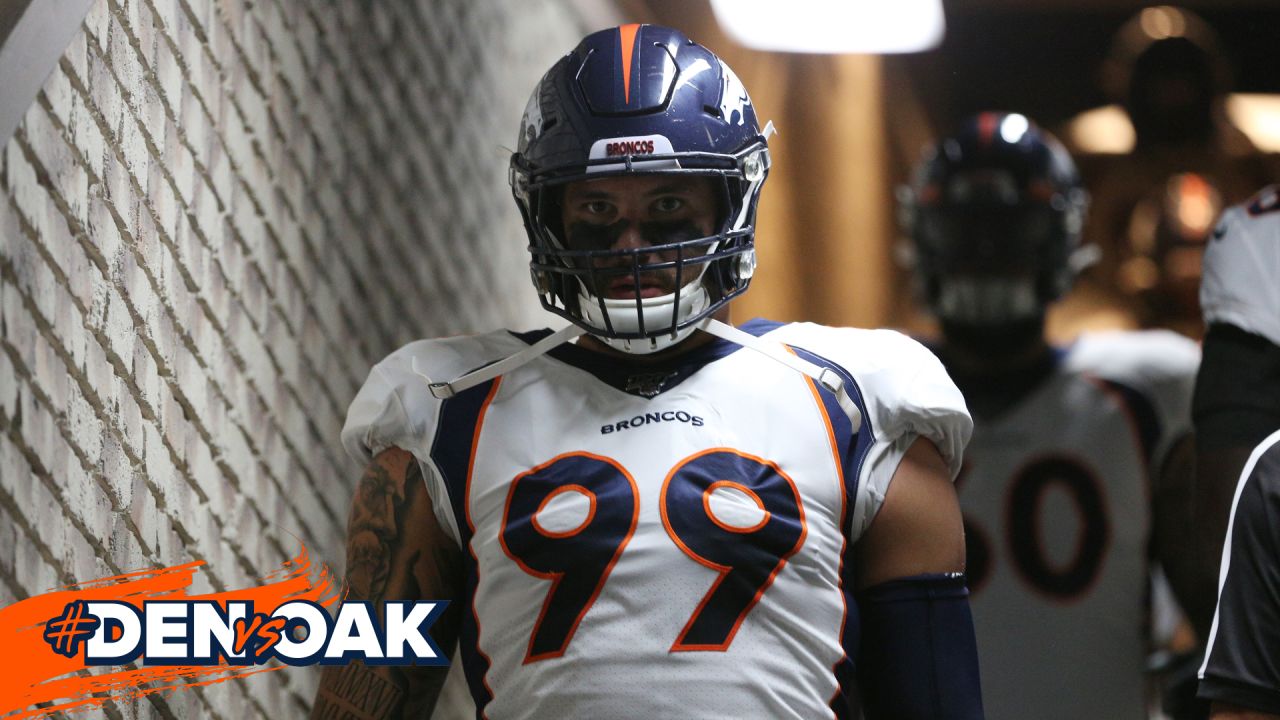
(653, 417)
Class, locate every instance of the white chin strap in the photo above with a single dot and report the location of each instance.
(656, 312)
(825, 377)
(446, 390)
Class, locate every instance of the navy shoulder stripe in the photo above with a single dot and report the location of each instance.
(853, 449)
(454, 443)
(452, 448)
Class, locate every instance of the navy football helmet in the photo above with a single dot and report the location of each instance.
(995, 213)
(629, 100)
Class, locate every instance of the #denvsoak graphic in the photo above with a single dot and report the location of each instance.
(143, 633)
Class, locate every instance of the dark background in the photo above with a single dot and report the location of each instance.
(1045, 57)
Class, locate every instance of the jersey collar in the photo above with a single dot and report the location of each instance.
(647, 380)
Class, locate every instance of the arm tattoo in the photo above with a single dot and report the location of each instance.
(356, 692)
(373, 528)
(396, 550)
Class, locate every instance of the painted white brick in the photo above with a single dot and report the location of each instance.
(357, 171)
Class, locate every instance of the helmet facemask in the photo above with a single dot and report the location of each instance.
(996, 270)
(576, 272)
(996, 213)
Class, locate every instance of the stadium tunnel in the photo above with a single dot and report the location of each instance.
(217, 215)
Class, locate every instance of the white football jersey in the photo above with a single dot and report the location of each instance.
(1056, 500)
(1240, 283)
(670, 542)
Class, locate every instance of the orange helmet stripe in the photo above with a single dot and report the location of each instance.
(627, 38)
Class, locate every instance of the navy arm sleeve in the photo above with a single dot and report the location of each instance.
(918, 657)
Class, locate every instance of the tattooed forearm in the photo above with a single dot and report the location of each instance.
(396, 550)
(374, 526)
(355, 692)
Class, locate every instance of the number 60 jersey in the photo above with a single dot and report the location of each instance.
(668, 541)
(1057, 512)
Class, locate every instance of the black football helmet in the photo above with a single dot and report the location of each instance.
(629, 100)
(995, 213)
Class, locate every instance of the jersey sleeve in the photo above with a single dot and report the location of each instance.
(376, 419)
(1242, 659)
(908, 395)
(1240, 284)
(395, 408)
(1153, 372)
(904, 393)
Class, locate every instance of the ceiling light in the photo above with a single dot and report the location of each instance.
(833, 26)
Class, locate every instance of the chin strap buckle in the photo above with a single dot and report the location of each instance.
(826, 377)
(446, 390)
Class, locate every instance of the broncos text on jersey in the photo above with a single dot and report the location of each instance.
(690, 561)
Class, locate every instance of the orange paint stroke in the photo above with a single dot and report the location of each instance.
(30, 672)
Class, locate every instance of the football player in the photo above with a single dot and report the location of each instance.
(1071, 445)
(1237, 418)
(672, 516)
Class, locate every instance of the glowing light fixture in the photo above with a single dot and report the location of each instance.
(1258, 116)
(833, 26)
(1107, 129)
(1163, 22)
(1013, 128)
(1103, 130)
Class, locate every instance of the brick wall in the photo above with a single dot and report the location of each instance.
(216, 215)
